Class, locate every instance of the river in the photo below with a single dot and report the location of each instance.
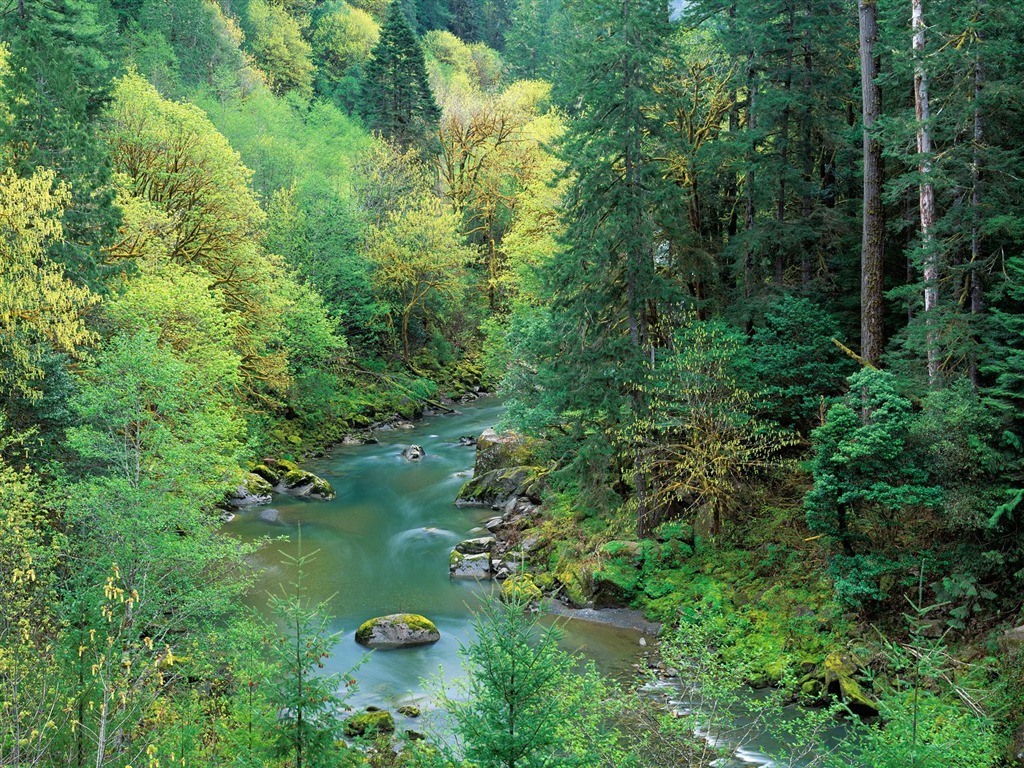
(382, 546)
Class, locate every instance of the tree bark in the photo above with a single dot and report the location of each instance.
(922, 111)
(872, 249)
(976, 288)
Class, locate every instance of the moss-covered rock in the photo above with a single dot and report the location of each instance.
(839, 670)
(463, 566)
(267, 474)
(397, 630)
(577, 585)
(282, 465)
(369, 724)
(299, 482)
(478, 546)
(499, 486)
(409, 710)
(615, 585)
(520, 588)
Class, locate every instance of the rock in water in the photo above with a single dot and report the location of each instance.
(480, 546)
(462, 566)
(368, 723)
(299, 482)
(398, 630)
(413, 453)
(270, 515)
(254, 490)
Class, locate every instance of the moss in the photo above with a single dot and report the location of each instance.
(369, 723)
(409, 710)
(286, 465)
(257, 485)
(415, 621)
(294, 439)
(455, 558)
(296, 477)
(520, 589)
(267, 473)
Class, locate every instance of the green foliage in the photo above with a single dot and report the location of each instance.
(525, 702)
(702, 436)
(869, 485)
(281, 51)
(308, 703)
(342, 42)
(795, 363)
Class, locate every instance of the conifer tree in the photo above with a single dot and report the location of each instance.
(396, 100)
(606, 288)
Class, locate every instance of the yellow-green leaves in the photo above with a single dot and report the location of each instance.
(419, 260)
(39, 306)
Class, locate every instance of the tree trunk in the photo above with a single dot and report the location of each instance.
(872, 249)
(976, 289)
(927, 189)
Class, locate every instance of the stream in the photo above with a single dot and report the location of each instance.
(382, 546)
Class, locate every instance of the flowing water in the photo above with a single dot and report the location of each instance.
(382, 546)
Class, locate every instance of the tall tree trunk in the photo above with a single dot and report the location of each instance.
(872, 248)
(780, 206)
(922, 110)
(976, 289)
(748, 255)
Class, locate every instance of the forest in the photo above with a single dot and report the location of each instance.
(746, 275)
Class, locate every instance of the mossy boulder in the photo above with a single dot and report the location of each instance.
(271, 476)
(839, 670)
(369, 723)
(577, 585)
(497, 487)
(282, 466)
(397, 630)
(615, 585)
(502, 451)
(409, 710)
(299, 482)
(252, 491)
(628, 551)
(520, 588)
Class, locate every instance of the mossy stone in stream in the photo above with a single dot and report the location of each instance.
(397, 630)
(369, 723)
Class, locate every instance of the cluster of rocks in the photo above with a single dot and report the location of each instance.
(277, 476)
(374, 720)
(504, 481)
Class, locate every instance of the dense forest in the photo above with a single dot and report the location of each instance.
(748, 273)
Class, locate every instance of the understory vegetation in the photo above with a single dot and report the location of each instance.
(748, 273)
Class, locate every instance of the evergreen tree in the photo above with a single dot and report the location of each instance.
(526, 703)
(396, 100)
(606, 288)
(308, 704)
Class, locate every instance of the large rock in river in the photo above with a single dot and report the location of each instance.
(499, 486)
(254, 490)
(299, 482)
(494, 451)
(413, 453)
(397, 630)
